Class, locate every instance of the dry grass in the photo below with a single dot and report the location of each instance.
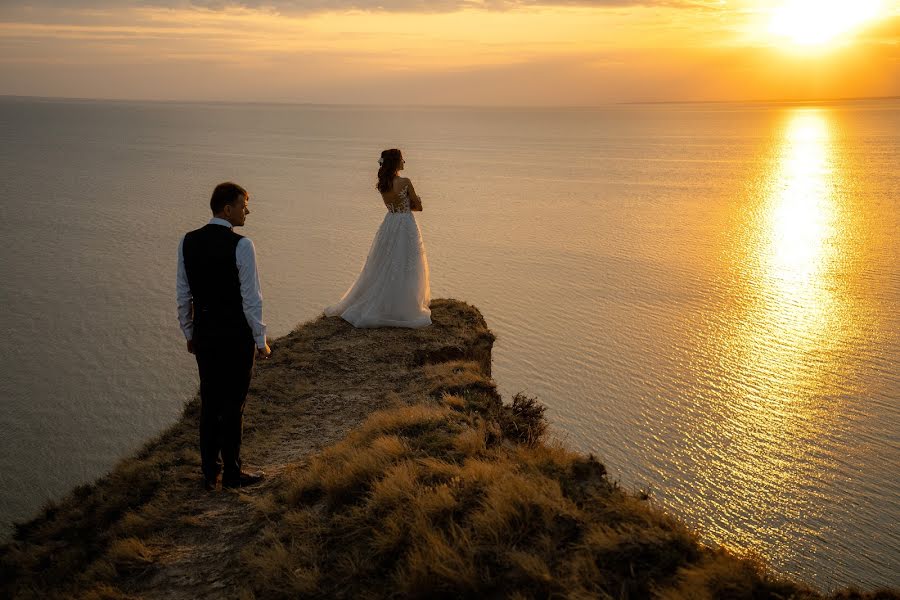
(399, 473)
(104, 592)
(129, 553)
(451, 501)
(323, 379)
(84, 541)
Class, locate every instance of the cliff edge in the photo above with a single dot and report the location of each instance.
(394, 470)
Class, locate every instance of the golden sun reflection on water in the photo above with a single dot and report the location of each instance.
(796, 245)
(801, 212)
(781, 345)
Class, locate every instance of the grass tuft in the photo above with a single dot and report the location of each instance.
(129, 553)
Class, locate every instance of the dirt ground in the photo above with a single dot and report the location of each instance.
(322, 380)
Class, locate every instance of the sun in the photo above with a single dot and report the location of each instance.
(809, 23)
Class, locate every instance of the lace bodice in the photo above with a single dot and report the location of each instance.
(403, 205)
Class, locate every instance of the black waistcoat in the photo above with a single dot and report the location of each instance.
(211, 266)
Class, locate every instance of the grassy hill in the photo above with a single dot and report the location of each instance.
(394, 471)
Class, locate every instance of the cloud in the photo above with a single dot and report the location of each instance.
(312, 6)
(432, 5)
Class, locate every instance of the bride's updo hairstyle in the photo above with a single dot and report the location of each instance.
(390, 160)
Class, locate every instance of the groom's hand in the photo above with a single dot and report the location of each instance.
(264, 352)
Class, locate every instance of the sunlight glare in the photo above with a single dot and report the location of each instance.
(801, 216)
(818, 22)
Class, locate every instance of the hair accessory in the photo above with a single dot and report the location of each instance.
(381, 160)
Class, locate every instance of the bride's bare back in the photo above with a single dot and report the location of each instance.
(395, 199)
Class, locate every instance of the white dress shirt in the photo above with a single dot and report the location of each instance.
(245, 258)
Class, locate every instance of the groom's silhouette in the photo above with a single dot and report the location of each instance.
(220, 311)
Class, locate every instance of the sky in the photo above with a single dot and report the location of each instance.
(450, 52)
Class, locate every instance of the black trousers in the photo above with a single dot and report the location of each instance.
(225, 364)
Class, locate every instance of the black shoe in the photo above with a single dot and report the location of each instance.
(210, 484)
(243, 479)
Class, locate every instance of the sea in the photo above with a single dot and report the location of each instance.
(704, 296)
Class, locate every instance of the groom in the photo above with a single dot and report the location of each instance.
(220, 312)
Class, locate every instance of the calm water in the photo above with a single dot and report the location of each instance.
(705, 296)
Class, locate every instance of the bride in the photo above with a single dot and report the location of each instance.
(392, 290)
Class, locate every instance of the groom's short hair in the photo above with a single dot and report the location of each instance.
(226, 193)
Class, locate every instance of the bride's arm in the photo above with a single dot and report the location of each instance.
(415, 202)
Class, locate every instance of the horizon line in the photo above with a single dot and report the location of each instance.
(467, 106)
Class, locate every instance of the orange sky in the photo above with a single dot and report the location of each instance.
(470, 52)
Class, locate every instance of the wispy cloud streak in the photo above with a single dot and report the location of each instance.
(312, 6)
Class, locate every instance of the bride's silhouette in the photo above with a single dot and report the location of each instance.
(392, 290)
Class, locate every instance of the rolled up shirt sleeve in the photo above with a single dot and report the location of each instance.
(245, 257)
(184, 297)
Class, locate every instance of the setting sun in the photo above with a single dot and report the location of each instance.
(516, 52)
(815, 23)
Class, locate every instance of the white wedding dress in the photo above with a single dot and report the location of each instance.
(392, 290)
